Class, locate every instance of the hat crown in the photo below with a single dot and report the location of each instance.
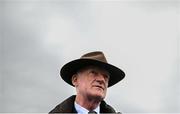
(98, 55)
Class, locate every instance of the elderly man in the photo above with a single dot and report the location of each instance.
(91, 75)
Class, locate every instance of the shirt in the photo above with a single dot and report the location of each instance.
(82, 110)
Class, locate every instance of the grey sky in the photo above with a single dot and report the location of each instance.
(141, 37)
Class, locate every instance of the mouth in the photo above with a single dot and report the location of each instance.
(98, 86)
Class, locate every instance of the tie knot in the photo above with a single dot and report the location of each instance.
(92, 112)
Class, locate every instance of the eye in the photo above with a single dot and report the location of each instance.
(94, 72)
(106, 77)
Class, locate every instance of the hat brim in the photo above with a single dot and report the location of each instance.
(69, 69)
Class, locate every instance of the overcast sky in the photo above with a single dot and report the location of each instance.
(140, 37)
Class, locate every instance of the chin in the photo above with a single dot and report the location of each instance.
(98, 96)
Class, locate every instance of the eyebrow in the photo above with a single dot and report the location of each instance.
(102, 71)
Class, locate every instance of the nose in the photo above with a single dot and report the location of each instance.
(103, 77)
(100, 79)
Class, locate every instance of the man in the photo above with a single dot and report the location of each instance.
(91, 75)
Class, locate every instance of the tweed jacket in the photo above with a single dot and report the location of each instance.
(67, 106)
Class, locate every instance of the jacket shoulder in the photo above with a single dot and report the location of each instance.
(106, 108)
(67, 106)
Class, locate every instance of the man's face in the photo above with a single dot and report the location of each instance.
(91, 82)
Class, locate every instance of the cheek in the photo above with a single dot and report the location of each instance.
(84, 84)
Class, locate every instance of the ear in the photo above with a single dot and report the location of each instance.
(74, 80)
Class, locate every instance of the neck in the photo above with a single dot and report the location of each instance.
(87, 102)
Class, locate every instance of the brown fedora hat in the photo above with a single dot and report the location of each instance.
(96, 58)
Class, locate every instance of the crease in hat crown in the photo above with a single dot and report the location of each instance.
(98, 55)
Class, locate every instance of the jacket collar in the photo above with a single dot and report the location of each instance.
(67, 106)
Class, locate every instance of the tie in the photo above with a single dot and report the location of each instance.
(92, 112)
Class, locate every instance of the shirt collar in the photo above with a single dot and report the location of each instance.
(82, 110)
